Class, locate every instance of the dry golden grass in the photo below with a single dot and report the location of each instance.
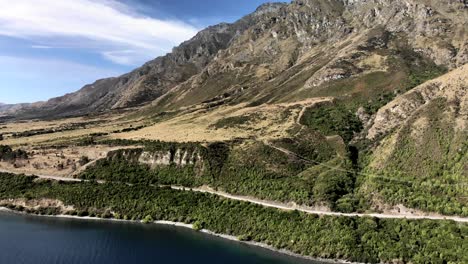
(273, 121)
(266, 122)
(103, 124)
(270, 121)
(373, 63)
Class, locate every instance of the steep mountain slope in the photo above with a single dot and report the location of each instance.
(422, 158)
(283, 52)
(312, 83)
(151, 80)
(330, 48)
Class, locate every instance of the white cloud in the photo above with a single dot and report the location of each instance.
(107, 26)
(125, 57)
(40, 47)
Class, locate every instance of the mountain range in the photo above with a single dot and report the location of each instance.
(343, 108)
(282, 52)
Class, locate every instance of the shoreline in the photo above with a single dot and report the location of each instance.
(188, 226)
(287, 206)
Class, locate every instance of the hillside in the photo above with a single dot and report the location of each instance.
(4, 107)
(343, 107)
(301, 94)
(283, 52)
(149, 81)
(423, 150)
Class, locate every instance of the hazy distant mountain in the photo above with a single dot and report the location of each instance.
(4, 107)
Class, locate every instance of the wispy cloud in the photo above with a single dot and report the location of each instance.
(40, 47)
(114, 29)
(125, 57)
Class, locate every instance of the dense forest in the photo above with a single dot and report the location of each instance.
(245, 168)
(318, 171)
(351, 238)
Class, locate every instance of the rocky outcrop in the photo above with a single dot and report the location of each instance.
(180, 157)
(162, 157)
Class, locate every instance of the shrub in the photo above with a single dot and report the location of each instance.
(197, 225)
(148, 219)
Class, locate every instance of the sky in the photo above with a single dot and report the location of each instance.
(52, 47)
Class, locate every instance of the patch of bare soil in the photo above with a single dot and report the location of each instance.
(63, 162)
(36, 204)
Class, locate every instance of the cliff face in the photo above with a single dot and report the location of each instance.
(281, 52)
(178, 156)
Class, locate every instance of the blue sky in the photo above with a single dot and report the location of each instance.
(52, 47)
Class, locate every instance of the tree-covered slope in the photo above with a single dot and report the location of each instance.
(422, 156)
(357, 239)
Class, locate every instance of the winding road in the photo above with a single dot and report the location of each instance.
(289, 207)
(282, 206)
(55, 178)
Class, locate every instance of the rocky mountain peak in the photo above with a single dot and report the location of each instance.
(269, 7)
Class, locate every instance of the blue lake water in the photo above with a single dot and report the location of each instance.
(43, 240)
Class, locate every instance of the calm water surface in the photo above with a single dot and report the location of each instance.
(41, 240)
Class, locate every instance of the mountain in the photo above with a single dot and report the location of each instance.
(4, 107)
(337, 106)
(282, 52)
(423, 140)
(309, 48)
(151, 80)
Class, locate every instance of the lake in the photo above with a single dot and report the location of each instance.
(40, 240)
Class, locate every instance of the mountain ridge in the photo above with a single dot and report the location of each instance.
(149, 81)
(295, 48)
(352, 107)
